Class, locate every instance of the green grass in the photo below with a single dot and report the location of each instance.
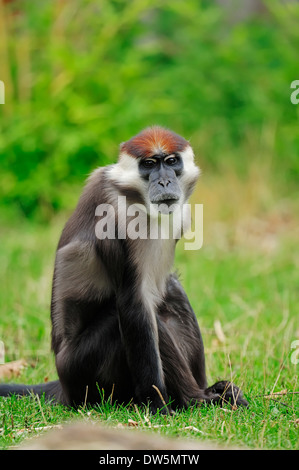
(246, 283)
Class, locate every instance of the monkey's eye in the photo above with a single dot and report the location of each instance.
(171, 160)
(149, 163)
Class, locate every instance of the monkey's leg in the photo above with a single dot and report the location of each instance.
(91, 360)
(180, 382)
(182, 324)
(181, 329)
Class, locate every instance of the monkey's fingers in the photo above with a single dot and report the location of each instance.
(226, 392)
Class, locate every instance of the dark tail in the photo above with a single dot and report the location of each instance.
(51, 390)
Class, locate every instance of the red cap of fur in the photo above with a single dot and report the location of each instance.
(153, 141)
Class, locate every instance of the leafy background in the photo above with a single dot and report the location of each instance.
(83, 76)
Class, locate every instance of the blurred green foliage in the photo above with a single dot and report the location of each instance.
(83, 75)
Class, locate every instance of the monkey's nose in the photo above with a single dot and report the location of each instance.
(164, 183)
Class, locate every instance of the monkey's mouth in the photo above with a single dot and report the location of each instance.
(167, 199)
(169, 202)
(166, 206)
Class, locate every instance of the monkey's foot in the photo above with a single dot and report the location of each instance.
(226, 392)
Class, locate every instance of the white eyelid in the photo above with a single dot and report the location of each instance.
(170, 156)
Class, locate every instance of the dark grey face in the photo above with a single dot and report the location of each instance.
(162, 171)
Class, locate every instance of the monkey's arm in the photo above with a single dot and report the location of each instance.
(137, 324)
(140, 339)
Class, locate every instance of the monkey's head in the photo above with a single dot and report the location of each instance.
(156, 167)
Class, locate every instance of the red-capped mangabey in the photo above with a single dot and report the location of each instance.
(121, 322)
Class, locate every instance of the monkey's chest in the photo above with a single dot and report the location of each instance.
(153, 266)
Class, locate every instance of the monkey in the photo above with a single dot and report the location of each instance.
(122, 324)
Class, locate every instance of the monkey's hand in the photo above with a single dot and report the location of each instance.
(225, 392)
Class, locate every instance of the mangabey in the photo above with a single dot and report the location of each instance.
(121, 322)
